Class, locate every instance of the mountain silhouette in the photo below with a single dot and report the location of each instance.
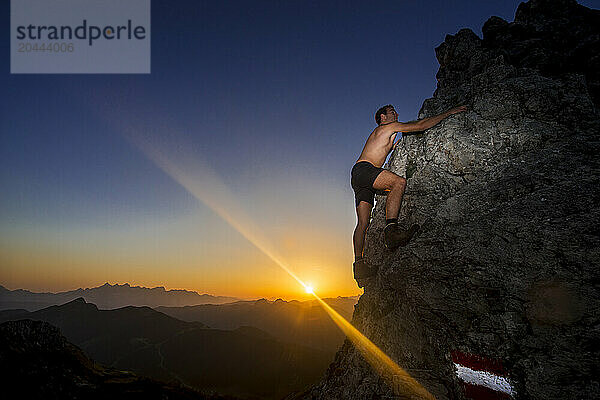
(36, 361)
(244, 362)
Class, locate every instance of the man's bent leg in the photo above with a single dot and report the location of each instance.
(363, 212)
(387, 180)
(393, 236)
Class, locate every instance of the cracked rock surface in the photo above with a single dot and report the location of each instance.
(505, 265)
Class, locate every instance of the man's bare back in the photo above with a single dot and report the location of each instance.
(378, 146)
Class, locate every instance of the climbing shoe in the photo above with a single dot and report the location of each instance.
(363, 270)
(395, 237)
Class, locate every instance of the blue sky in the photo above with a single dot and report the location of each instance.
(277, 97)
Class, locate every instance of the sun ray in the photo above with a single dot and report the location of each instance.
(206, 187)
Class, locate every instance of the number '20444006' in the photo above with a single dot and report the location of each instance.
(24, 47)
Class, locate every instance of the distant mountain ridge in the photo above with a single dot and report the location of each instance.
(109, 296)
(300, 322)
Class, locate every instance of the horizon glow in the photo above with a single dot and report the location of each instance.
(207, 188)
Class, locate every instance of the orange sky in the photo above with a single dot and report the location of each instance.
(195, 249)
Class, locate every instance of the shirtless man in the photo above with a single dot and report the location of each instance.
(368, 177)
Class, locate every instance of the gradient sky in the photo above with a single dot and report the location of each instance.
(276, 98)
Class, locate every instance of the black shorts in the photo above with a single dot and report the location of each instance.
(363, 175)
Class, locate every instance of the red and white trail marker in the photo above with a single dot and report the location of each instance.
(483, 378)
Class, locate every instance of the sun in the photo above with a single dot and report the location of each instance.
(309, 289)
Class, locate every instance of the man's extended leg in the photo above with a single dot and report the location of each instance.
(361, 267)
(387, 180)
(363, 213)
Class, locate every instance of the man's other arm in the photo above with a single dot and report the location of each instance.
(425, 123)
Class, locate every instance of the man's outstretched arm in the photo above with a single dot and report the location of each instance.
(425, 123)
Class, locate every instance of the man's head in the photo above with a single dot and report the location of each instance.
(386, 114)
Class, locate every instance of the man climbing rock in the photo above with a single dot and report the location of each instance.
(368, 178)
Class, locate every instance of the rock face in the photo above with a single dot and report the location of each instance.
(505, 266)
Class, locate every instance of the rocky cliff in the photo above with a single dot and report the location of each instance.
(503, 275)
